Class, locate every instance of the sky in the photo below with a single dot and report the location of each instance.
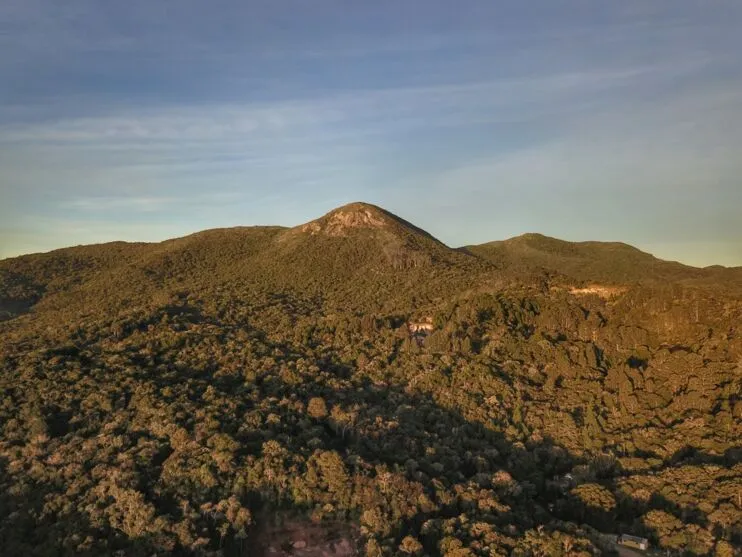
(475, 120)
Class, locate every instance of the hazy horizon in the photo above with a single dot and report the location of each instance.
(141, 122)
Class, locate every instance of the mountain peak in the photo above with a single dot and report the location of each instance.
(358, 216)
(353, 215)
(369, 232)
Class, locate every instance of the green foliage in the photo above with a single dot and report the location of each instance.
(177, 398)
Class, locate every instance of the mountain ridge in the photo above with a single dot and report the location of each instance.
(355, 247)
(361, 214)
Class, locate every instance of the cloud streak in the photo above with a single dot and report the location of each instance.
(98, 204)
(145, 204)
(379, 110)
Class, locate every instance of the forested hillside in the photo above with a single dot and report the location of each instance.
(265, 391)
(609, 262)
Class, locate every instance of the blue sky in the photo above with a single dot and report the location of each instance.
(477, 121)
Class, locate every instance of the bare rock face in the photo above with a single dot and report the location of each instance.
(339, 221)
(365, 234)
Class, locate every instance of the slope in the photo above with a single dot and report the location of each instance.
(189, 397)
(603, 262)
(355, 255)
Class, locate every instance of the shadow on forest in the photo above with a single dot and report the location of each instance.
(465, 450)
(447, 450)
(23, 531)
(27, 294)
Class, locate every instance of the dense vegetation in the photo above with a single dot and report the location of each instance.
(607, 262)
(179, 397)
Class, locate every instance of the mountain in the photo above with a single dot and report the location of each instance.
(586, 261)
(612, 263)
(356, 252)
(354, 385)
(360, 241)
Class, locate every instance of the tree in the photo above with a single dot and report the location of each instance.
(410, 546)
(317, 408)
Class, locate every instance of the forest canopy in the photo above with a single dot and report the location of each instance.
(211, 394)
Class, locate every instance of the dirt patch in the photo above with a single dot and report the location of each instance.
(280, 536)
(602, 291)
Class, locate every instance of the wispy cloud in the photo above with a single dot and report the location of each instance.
(146, 204)
(665, 171)
(99, 204)
(381, 110)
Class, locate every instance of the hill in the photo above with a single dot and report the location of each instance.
(585, 261)
(603, 262)
(355, 252)
(353, 383)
